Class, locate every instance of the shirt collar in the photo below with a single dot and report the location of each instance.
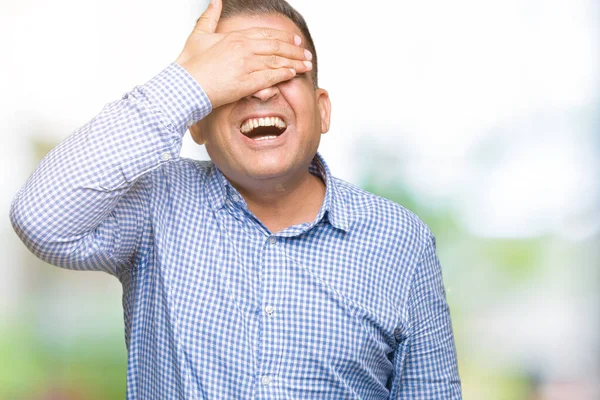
(332, 209)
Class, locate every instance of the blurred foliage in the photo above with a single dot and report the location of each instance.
(506, 384)
(516, 259)
(33, 368)
(41, 147)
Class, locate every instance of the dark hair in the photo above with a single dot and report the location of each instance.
(232, 8)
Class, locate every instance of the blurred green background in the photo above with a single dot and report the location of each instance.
(482, 117)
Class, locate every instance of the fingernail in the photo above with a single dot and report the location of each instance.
(297, 40)
(308, 64)
(293, 71)
(307, 54)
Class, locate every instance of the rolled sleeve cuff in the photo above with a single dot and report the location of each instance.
(179, 96)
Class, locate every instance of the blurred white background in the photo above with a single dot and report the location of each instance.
(481, 116)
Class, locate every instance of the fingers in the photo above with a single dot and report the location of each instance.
(268, 33)
(207, 23)
(270, 77)
(276, 62)
(280, 48)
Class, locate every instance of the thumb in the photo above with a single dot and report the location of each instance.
(207, 23)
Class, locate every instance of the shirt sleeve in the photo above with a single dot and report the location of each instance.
(425, 364)
(87, 204)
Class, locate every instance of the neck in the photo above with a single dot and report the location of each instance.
(280, 204)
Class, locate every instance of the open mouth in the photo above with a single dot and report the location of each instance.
(266, 128)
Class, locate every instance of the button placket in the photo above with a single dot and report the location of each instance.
(272, 268)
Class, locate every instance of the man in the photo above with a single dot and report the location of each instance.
(259, 274)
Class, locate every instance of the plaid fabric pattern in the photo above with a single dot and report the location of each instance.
(349, 306)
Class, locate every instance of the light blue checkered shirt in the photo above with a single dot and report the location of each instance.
(348, 306)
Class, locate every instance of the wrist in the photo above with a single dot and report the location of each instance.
(178, 96)
(182, 59)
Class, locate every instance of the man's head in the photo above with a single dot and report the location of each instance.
(299, 109)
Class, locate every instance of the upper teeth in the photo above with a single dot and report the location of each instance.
(252, 123)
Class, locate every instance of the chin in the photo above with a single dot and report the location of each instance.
(258, 171)
(247, 166)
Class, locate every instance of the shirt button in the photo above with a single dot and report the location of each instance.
(272, 240)
(165, 156)
(269, 310)
(265, 380)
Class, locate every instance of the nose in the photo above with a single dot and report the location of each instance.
(266, 93)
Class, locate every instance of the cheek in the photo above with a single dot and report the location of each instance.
(303, 104)
(214, 128)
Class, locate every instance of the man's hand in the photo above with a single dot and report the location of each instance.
(233, 65)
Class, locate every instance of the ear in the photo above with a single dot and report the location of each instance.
(196, 132)
(324, 109)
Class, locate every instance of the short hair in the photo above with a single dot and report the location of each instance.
(232, 8)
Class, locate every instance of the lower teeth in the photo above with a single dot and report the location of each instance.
(265, 137)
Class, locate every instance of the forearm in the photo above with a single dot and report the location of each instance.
(80, 182)
(425, 364)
